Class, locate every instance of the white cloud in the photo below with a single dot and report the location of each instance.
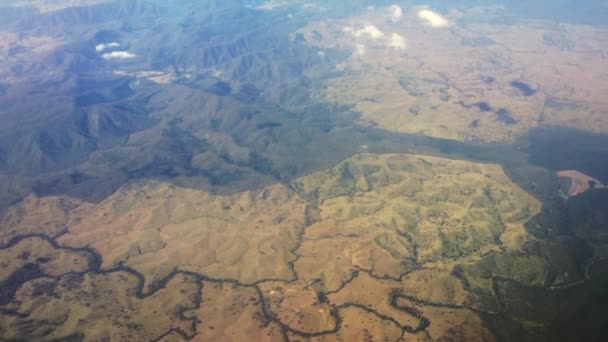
(312, 6)
(397, 42)
(102, 47)
(432, 18)
(216, 73)
(396, 12)
(361, 49)
(118, 55)
(272, 4)
(370, 31)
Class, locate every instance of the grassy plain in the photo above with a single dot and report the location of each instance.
(471, 80)
(369, 247)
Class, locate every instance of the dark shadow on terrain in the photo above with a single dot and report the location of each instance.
(559, 148)
(504, 116)
(91, 132)
(523, 87)
(573, 314)
(113, 130)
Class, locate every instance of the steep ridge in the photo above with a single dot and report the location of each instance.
(184, 149)
(82, 114)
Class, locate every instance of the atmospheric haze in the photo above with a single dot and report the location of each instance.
(268, 170)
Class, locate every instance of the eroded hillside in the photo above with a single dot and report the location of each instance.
(310, 257)
(304, 170)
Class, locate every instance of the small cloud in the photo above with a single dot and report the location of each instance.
(396, 12)
(102, 47)
(370, 31)
(118, 55)
(432, 18)
(272, 4)
(397, 42)
(361, 49)
(313, 6)
(216, 73)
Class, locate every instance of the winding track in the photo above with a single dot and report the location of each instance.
(95, 262)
